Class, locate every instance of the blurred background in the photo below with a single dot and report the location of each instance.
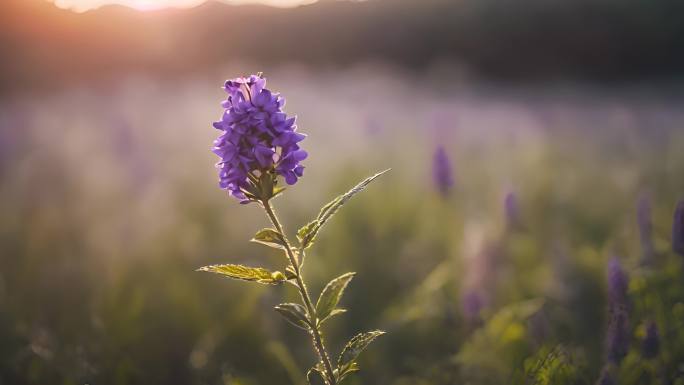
(523, 236)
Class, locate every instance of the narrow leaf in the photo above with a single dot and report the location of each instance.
(246, 273)
(331, 294)
(331, 208)
(327, 207)
(354, 347)
(307, 234)
(294, 313)
(332, 314)
(349, 369)
(304, 233)
(270, 237)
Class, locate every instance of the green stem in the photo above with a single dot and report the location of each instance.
(311, 312)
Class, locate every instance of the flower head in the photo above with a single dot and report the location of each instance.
(678, 229)
(441, 171)
(258, 141)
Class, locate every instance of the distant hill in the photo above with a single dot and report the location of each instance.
(501, 39)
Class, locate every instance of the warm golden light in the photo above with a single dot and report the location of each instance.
(149, 5)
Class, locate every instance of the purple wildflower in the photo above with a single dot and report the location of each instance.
(257, 137)
(441, 171)
(678, 229)
(645, 228)
(650, 346)
(472, 304)
(618, 283)
(512, 209)
(617, 340)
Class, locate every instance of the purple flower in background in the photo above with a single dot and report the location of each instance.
(472, 304)
(645, 228)
(678, 229)
(512, 210)
(650, 346)
(618, 283)
(441, 171)
(617, 339)
(257, 137)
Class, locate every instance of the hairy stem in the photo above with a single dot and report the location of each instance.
(311, 311)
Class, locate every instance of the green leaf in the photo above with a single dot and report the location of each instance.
(331, 294)
(354, 347)
(294, 313)
(305, 231)
(270, 237)
(315, 376)
(246, 273)
(307, 234)
(332, 314)
(349, 369)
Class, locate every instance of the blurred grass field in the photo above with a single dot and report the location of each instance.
(109, 202)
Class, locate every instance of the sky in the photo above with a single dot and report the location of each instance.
(148, 5)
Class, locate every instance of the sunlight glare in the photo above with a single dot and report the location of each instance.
(150, 5)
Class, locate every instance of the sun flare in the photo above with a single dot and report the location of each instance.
(151, 5)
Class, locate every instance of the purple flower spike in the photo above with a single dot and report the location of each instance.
(678, 229)
(618, 283)
(441, 171)
(257, 137)
(472, 304)
(617, 339)
(512, 210)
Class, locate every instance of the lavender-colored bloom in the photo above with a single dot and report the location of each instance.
(512, 210)
(650, 346)
(618, 283)
(441, 171)
(617, 339)
(257, 137)
(678, 229)
(472, 304)
(645, 228)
